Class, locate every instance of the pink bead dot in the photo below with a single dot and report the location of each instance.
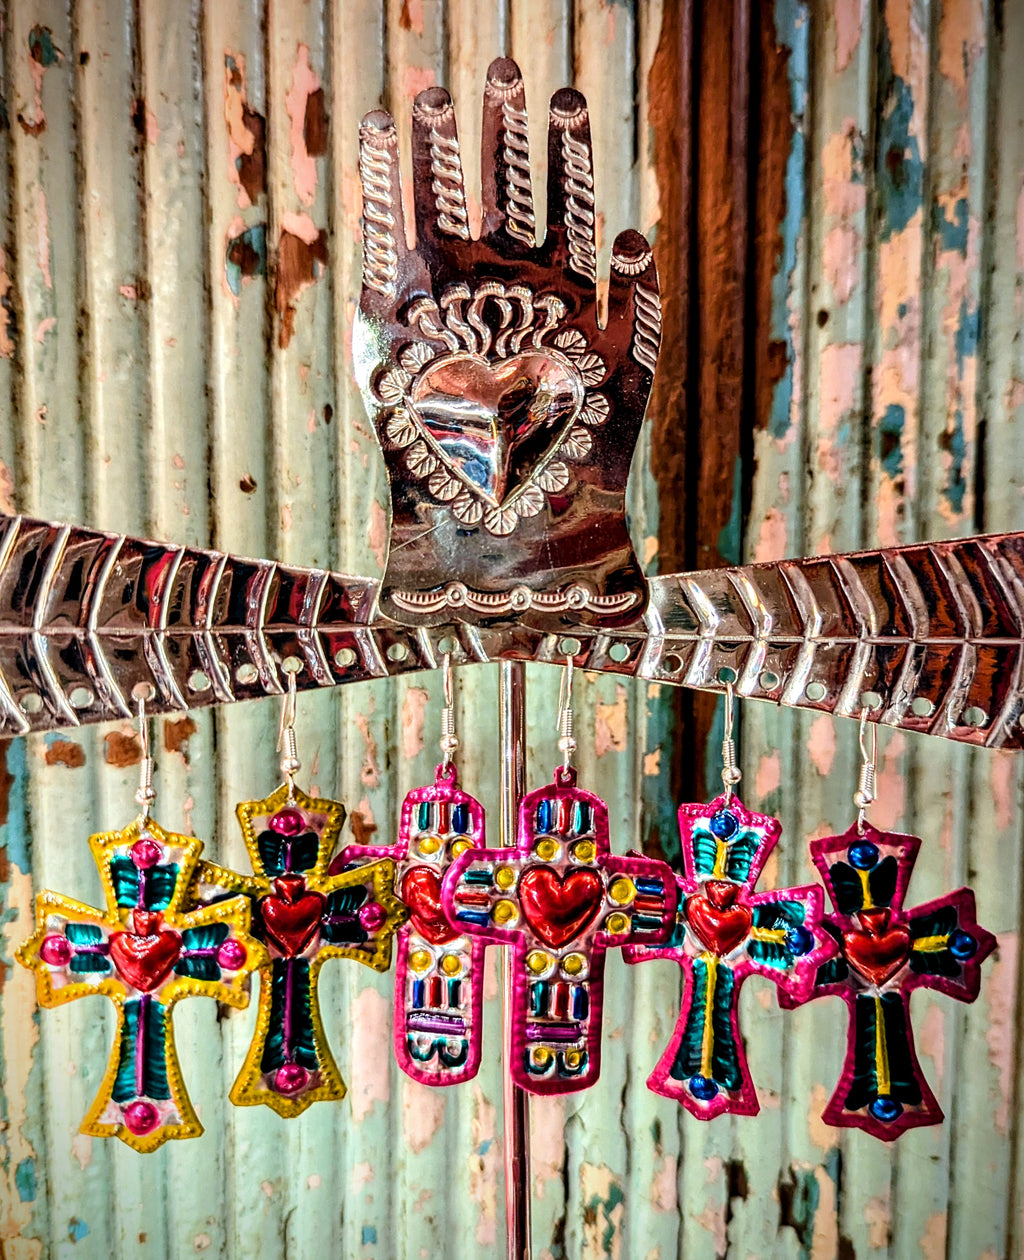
(231, 955)
(141, 1117)
(290, 1079)
(145, 853)
(371, 916)
(287, 822)
(55, 951)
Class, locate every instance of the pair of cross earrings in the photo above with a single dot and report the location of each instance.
(175, 925)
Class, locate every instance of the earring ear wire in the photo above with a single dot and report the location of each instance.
(286, 739)
(866, 793)
(146, 793)
(731, 773)
(449, 741)
(567, 744)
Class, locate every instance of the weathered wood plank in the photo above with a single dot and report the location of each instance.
(304, 471)
(24, 1220)
(237, 94)
(115, 389)
(361, 1135)
(770, 739)
(957, 205)
(994, 1035)
(73, 1052)
(985, 1054)
(175, 164)
(601, 1184)
(898, 149)
(834, 366)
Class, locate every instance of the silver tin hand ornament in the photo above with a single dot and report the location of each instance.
(506, 411)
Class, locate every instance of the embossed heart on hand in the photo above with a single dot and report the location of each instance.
(559, 907)
(421, 891)
(493, 423)
(144, 958)
(880, 951)
(720, 925)
(291, 915)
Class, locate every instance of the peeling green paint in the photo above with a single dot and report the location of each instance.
(730, 537)
(25, 1180)
(598, 1208)
(15, 832)
(231, 404)
(41, 46)
(900, 172)
(955, 488)
(246, 256)
(890, 439)
(952, 232)
(792, 28)
(967, 330)
(799, 1196)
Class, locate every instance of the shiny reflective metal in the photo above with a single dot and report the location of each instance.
(930, 637)
(449, 741)
(865, 794)
(566, 740)
(506, 409)
(507, 414)
(287, 742)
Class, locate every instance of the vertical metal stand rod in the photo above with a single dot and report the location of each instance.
(512, 718)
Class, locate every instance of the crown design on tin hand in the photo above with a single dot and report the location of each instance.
(505, 407)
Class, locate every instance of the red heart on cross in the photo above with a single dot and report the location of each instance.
(421, 891)
(720, 925)
(559, 907)
(144, 958)
(291, 918)
(879, 952)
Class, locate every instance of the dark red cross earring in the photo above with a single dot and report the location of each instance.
(884, 953)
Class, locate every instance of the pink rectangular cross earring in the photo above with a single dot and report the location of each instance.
(560, 899)
(439, 982)
(884, 953)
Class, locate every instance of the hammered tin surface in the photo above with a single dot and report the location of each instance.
(179, 269)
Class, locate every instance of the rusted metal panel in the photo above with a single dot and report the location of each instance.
(834, 190)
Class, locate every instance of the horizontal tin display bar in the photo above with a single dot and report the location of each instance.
(930, 637)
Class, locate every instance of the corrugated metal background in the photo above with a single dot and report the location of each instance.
(179, 266)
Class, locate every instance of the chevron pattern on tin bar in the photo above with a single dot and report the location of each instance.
(930, 636)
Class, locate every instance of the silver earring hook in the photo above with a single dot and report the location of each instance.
(566, 743)
(449, 740)
(146, 793)
(731, 773)
(286, 741)
(865, 793)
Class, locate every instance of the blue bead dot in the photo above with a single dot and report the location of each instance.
(703, 1087)
(885, 1109)
(962, 945)
(724, 824)
(799, 940)
(863, 855)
